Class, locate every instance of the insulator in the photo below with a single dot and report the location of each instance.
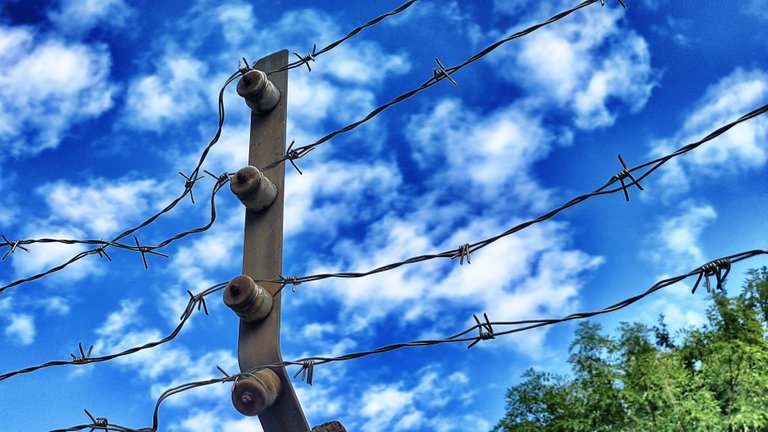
(249, 301)
(252, 395)
(259, 93)
(253, 188)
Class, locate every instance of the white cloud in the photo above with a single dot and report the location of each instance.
(80, 16)
(103, 206)
(216, 421)
(21, 329)
(175, 91)
(338, 194)
(419, 406)
(164, 366)
(739, 150)
(584, 63)
(47, 85)
(499, 146)
(677, 242)
(757, 8)
(45, 256)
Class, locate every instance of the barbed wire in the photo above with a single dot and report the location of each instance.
(625, 178)
(485, 328)
(195, 302)
(437, 75)
(305, 59)
(101, 245)
(190, 181)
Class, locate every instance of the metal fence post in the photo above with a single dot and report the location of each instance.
(259, 342)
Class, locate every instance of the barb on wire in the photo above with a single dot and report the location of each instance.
(83, 356)
(304, 60)
(441, 73)
(307, 58)
(621, 2)
(194, 302)
(463, 253)
(436, 77)
(307, 371)
(624, 174)
(605, 189)
(485, 329)
(196, 299)
(718, 268)
(144, 250)
(98, 422)
(189, 183)
(101, 245)
(12, 246)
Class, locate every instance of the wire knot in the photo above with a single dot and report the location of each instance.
(199, 299)
(485, 330)
(307, 371)
(718, 268)
(442, 72)
(243, 66)
(144, 250)
(102, 251)
(12, 246)
(189, 183)
(623, 175)
(463, 252)
(307, 58)
(98, 422)
(291, 155)
(621, 2)
(83, 356)
(220, 180)
(291, 280)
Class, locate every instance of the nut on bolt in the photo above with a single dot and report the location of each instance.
(253, 189)
(259, 93)
(249, 301)
(251, 396)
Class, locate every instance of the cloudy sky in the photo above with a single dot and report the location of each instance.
(103, 103)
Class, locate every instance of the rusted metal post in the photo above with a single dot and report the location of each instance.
(277, 406)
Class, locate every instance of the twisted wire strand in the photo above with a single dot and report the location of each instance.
(191, 180)
(311, 57)
(291, 155)
(445, 73)
(465, 250)
(485, 331)
(195, 302)
(102, 245)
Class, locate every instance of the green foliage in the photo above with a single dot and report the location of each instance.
(714, 379)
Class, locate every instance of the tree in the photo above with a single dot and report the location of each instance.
(716, 378)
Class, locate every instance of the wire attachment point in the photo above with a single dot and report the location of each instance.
(290, 280)
(442, 73)
(485, 330)
(718, 268)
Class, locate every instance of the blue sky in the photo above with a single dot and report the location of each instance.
(103, 103)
